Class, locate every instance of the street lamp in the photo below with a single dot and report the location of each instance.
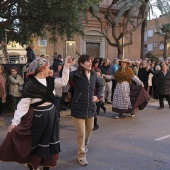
(6, 30)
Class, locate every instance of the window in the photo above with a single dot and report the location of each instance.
(42, 43)
(161, 46)
(150, 33)
(155, 45)
(150, 47)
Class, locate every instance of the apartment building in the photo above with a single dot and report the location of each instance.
(153, 42)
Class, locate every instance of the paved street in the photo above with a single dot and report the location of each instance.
(139, 143)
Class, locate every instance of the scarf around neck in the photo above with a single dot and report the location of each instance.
(34, 89)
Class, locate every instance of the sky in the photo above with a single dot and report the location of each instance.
(157, 13)
(155, 10)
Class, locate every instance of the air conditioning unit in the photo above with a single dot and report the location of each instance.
(42, 43)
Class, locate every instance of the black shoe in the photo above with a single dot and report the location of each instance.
(96, 127)
(104, 110)
(109, 102)
(159, 108)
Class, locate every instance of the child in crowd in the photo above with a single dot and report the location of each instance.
(100, 103)
(51, 73)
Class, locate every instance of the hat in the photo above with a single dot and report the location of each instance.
(125, 60)
(37, 65)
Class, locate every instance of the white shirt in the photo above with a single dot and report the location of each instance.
(88, 75)
(24, 104)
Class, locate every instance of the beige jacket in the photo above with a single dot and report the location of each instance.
(13, 85)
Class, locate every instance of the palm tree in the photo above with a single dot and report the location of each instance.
(165, 33)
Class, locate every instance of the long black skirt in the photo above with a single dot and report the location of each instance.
(45, 131)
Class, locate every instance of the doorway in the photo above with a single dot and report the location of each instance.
(93, 49)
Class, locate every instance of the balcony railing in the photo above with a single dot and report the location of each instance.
(13, 60)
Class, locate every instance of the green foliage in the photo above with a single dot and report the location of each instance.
(27, 18)
(166, 28)
(151, 57)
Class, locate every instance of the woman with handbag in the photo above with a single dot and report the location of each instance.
(15, 87)
(33, 136)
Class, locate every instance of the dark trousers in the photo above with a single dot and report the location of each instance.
(99, 105)
(161, 97)
(15, 101)
(146, 86)
(155, 92)
(114, 82)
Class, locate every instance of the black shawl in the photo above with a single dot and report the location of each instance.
(34, 89)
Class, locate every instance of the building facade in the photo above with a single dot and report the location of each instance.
(92, 43)
(154, 42)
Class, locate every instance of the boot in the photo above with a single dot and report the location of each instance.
(96, 126)
(102, 106)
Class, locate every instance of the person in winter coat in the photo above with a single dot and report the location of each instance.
(114, 68)
(83, 104)
(155, 82)
(164, 86)
(30, 53)
(14, 81)
(100, 103)
(143, 74)
(56, 62)
(95, 64)
(106, 70)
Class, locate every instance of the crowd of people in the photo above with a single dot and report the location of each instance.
(85, 86)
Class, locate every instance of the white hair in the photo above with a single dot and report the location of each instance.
(157, 67)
